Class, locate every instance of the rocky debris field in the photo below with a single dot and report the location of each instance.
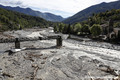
(90, 42)
(42, 60)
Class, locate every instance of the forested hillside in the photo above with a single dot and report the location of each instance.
(10, 20)
(104, 17)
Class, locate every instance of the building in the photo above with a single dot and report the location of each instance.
(117, 32)
(109, 32)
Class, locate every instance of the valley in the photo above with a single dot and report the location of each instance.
(37, 45)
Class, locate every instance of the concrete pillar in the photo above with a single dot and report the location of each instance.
(17, 43)
(59, 41)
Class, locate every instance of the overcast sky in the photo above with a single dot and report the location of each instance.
(64, 8)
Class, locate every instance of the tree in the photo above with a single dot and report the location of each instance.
(117, 24)
(77, 28)
(85, 28)
(96, 30)
(61, 27)
(65, 29)
(69, 29)
(55, 28)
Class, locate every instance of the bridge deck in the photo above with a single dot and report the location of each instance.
(22, 39)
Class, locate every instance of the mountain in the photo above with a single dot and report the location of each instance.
(11, 20)
(29, 11)
(84, 14)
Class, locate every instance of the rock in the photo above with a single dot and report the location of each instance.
(45, 57)
(10, 79)
(43, 62)
(1, 71)
(34, 65)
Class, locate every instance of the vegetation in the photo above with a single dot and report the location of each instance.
(85, 29)
(10, 20)
(92, 26)
(76, 29)
(96, 30)
(103, 17)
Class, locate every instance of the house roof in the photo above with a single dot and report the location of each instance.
(104, 25)
(116, 28)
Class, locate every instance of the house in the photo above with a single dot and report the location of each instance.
(109, 32)
(104, 28)
(117, 32)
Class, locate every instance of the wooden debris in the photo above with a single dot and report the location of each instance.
(39, 79)
(43, 62)
(8, 75)
(34, 65)
(45, 57)
(117, 78)
(29, 58)
(35, 71)
(34, 55)
(109, 70)
(90, 76)
(58, 59)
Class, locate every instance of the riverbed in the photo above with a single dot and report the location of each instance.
(42, 60)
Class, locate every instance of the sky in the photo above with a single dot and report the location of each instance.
(65, 8)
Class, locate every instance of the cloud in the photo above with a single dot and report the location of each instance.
(60, 7)
(11, 2)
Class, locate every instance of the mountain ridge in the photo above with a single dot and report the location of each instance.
(86, 13)
(29, 11)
